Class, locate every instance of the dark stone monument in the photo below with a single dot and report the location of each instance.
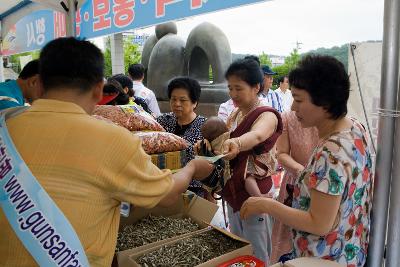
(208, 46)
(166, 62)
(165, 56)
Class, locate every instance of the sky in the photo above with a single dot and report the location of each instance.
(274, 27)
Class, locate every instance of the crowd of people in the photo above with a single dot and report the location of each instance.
(88, 167)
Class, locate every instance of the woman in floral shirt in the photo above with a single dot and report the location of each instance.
(330, 213)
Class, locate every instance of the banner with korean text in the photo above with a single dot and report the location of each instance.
(33, 32)
(104, 17)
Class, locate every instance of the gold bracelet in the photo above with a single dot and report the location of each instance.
(239, 143)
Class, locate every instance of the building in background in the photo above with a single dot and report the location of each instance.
(277, 60)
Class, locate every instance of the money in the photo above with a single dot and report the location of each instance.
(211, 159)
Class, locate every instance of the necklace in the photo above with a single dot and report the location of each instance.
(241, 116)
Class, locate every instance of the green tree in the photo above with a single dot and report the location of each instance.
(281, 70)
(265, 60)
(291, 62)
(107, 58)
(341, 53)
(16, 64)
(132, 55)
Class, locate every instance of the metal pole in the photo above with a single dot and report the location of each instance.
(393, 239)
(388, 98)
(1, 57)
(1, 69)
(71, 19)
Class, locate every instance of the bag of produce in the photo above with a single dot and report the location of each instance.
(102, 119)
(130, 120)
(160, 142)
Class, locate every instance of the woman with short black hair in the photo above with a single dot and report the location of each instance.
(184, 94)
(331, 206)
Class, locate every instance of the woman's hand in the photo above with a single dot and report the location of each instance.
(299, 169)
(231, 148)
(253, 206)
(201, 168)
(197, 146)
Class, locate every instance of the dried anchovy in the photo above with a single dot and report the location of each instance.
(152, 229)
(190, 251)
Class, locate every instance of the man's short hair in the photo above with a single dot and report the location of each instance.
(253, 57)
(136, 71)
(71, 63)
(30, 69)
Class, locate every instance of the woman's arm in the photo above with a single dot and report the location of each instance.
(323, 203)
(318, 220)
(260, 131)
(283, 154)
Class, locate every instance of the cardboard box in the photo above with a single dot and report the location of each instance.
(246, 249)
(190, 205)
(170, 160)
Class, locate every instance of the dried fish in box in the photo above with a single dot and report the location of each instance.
(191, 251)
(152, 229)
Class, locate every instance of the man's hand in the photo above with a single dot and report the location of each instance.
(253, 206)
(201, 168)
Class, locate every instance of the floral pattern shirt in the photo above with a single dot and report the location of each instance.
(345, 171)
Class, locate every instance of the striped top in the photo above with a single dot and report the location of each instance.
(273, 99)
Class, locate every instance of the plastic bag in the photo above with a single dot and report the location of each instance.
(160, 142)
(127, 118)
(102, 119)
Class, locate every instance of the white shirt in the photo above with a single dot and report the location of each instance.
(273, 100)
(148, 95)
(287, 98)
(226, 108)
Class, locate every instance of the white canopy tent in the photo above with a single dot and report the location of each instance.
(388, 154)
(13, 10)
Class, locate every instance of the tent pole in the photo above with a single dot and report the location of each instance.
(1, 56)
(1, 69)
(393, 239)
(388, 99)
(70, 18)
